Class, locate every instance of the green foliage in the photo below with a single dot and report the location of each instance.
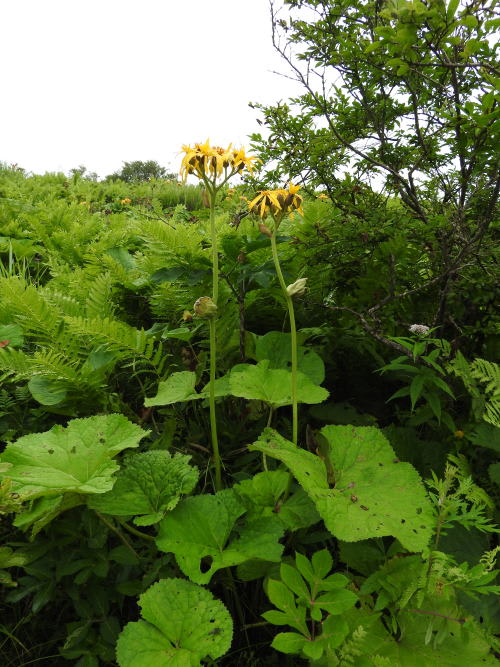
(178, 387)
(393, 138)
(359, 487)
(310, 598)
(273, 386)
(202, 533)
(482, 380)
(263, 496)
(149, 485)
(76, 459)
(182, 624)
(136, 171)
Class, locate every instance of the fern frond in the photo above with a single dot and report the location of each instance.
(488, 374)
(482, 380)
(15, 362)
(25, 305)
(56, 365)
(117, 336)
(65, 304)
(99, 302)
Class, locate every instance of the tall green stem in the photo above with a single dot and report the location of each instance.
(211, 401)
(213, 343)
(215, 254)
(293, 333)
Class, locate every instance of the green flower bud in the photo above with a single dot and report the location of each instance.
(297, 288)
(264, 229)
(204, 307)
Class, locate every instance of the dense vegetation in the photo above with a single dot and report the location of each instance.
(208, 459)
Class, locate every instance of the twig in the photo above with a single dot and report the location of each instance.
(118, 533)
(435, 613)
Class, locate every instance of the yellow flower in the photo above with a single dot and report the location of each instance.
(242, 161)
(323, 196)
(459, 434)
(277, 202)
(126, 201)
(206, 161)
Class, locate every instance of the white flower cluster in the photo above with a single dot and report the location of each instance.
(419, 329)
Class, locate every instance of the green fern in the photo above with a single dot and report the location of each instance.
(482, 380)
(487, 374)
(99, 301)
(118, 336)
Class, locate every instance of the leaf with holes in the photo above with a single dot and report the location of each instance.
(78, 458)
(373, 493)
(149, 484)
(182, 624)
(199, 529)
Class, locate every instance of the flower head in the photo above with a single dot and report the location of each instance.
(419, 329)
(126, 201)
(276, 202)
(204, 160)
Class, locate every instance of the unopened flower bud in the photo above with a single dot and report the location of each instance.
(297, 288)
(204, 307)
(265, 230)
(186, 316)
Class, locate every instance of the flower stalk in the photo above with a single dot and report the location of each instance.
(277, 203)
(214, 166)
(293, 336)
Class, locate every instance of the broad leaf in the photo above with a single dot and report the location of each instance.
(178, 387)
(276, 347)
(262, 496)
(11, 335)
(373, 493)
(76, 459)
(183, 624)
(273, 386)
(289, 642)
(47, 391)
(197, 531)
(41, 511)
(150, 483)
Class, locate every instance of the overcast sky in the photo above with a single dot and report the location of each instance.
(99, 82)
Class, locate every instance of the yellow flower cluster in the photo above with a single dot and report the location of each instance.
(204, 160)
(126, 201)
(277, 202)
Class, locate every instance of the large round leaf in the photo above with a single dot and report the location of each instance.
(183, 624)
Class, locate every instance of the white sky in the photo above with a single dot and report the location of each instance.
(99, 82)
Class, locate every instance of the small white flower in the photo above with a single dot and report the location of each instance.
(419, 329)
(297, 288)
